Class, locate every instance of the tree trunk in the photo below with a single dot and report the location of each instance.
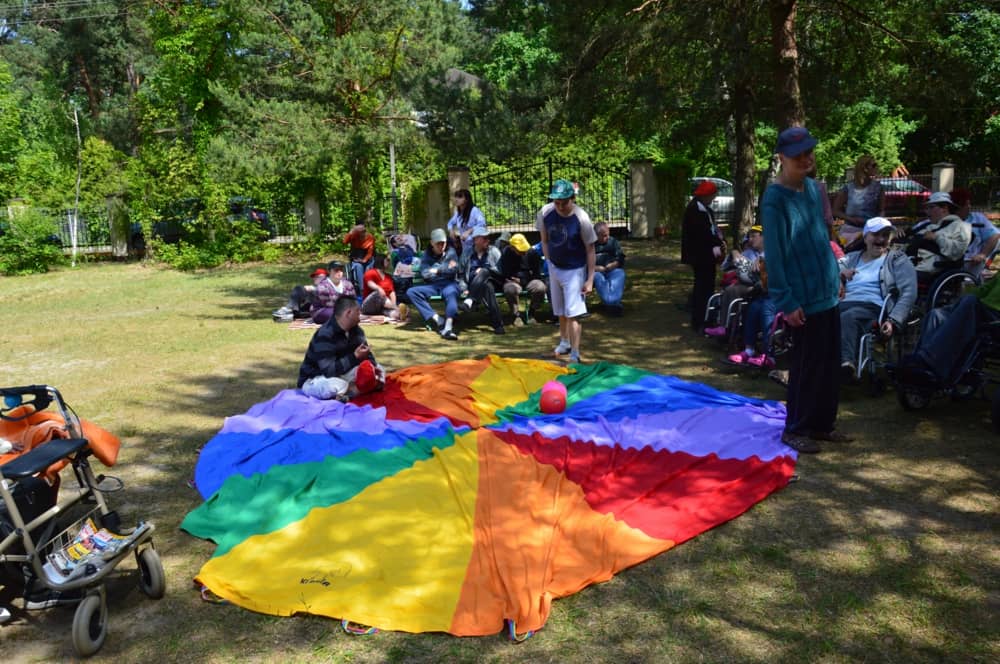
(743, 121)
(788, 102)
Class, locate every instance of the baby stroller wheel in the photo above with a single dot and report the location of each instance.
(90, 625)
(152, 581)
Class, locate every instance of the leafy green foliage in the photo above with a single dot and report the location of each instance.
(27, 245)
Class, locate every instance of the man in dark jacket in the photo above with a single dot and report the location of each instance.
(521, 267)
(480, 269)
(338, 363)
(439, 270)
(702, 248)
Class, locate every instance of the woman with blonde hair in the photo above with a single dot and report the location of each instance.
(859, 200)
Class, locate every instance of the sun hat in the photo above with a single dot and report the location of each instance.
(876, 224)
(706, 188)
(941, 197)
(757, 229)
(562, 189)
(794, 141)
(519, 242)
(319, 272)
(438, 235)
(480, 231)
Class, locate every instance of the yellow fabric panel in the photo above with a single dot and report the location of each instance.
(506, 382)
(394, 556)
(535, 529)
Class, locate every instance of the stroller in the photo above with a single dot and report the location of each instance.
(63, 547)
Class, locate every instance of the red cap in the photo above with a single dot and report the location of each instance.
(319, 272)
(705, 188)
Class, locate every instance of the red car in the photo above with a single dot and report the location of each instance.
(904, 197)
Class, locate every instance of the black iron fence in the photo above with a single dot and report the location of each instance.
(511, 196)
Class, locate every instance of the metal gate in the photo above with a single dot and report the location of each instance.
(511, 196)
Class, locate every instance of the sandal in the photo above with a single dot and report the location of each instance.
(800, 443)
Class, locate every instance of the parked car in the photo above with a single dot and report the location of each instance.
(723, 207)
(178, 220)
(904, 197)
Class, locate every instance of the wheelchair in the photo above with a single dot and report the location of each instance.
(731, 319)
(876, 352)
(978, 375)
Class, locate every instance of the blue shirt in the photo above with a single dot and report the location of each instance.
(568, 237)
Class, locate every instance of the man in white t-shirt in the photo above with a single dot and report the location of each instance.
(568, 239)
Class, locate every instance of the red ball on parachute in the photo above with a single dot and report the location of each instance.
(553, 398)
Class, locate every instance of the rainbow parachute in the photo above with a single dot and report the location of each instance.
(449, 502)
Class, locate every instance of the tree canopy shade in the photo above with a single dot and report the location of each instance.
(278, 100)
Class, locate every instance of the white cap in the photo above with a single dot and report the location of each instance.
(876, 224)
(941, 197)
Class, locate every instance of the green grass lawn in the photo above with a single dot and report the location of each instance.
(886, 549)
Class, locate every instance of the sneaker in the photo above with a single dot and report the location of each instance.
(4, 614)
(562, 348)
(518, 321)
(465, 305)
(740, 358)
(449, 335)
(574, 357)
(404, 312)
(45, 598)
(499, 330)
(848, 372)
(717, 332)
(283, 318)
(282, 311)
(779, 376)
(431, 326)
(761, 361)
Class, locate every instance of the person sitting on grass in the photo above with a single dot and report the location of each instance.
(339, 363)
(480, 269)
(609, 272)
(869, 276)
(439, 270)
(379, 292)
(521, 265)
(301, 299)
(328, 291)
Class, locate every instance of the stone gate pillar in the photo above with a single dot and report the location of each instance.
(645, 201)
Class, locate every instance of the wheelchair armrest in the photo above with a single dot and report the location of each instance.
(42, 457)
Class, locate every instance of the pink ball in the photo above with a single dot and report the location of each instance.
(552, 400)
(555, 385)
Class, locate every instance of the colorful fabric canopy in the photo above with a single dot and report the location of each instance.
(449, 502)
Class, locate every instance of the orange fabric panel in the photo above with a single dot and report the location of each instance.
(445, 388)
(41, 427)
(534, 528)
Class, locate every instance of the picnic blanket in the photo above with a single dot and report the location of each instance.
(450, 502)
(308, 324)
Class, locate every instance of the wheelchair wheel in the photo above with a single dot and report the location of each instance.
(912, 399)
(90, 625)
(950, 287)
(152, 581)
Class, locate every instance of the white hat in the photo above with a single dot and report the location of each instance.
(876, 224)
(480, 231)
(941, 197)
(438, 235)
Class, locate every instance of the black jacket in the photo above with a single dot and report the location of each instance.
(523, 267)
(331, 352)
(697, 238)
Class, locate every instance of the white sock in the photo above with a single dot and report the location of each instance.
(468, 302)
(447, 324)
(437, 320)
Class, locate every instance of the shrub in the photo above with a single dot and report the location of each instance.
(29, 244)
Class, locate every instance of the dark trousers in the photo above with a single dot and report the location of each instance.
(946, 348)
(484, 290)
(813, 381)
(704, 286)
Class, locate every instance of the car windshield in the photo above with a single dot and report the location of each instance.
(895, 184)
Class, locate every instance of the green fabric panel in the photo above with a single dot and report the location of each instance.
(266, 502)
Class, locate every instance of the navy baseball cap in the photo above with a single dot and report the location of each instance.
(794, 141)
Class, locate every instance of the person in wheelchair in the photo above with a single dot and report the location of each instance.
(745, 265)
(938, 359)
(939, 242)
(985, 235)
(870, 275)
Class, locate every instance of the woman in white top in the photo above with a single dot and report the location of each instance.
(466, 218)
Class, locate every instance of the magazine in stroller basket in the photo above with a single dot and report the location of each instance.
(61, 542)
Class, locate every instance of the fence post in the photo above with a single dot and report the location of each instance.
(645, 201)
(943, 176)
(437, 206)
